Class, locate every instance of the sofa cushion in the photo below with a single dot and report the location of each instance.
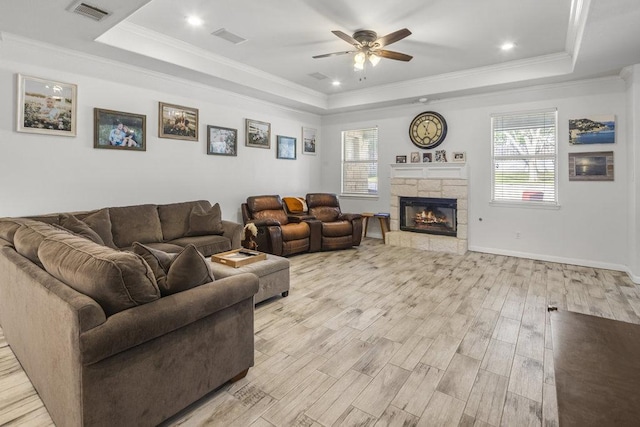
(73, 224)
(164, 247)
(100, 222)
(174, 217)
(30, 235)
(325, 213)
(176, 272)
(8, 227)
(139, 223)
(115, 280)
(207, 245)
(205, 222)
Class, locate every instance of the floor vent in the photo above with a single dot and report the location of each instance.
(229, 36)
(89, 11)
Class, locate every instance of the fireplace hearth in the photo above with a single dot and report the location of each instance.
(429, 215)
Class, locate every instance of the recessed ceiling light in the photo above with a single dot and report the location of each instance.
(194, 20)
(507, 46)
(423, 99)
(335, 83)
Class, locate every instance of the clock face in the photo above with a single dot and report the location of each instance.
(428, 130)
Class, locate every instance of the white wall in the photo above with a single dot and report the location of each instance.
(591, 225)
(632, 77)
(41, 173)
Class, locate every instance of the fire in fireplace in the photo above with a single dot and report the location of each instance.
(429, 215)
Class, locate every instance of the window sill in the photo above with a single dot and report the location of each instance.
(525, 205)
(359, 196)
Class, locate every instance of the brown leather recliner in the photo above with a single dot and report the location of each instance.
(279, 234)
(339, 230)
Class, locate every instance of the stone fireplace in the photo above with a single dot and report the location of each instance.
(433, 215)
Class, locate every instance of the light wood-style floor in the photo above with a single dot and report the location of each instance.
(391, 336)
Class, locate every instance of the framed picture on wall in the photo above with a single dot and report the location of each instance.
(594, 166)
(286, 147)
(46, 106)
(258, 134)
(177, 122)
(222, 141)
(119, 131)
(309, 140)
(592, 130)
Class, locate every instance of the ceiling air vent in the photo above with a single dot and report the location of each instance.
(318, 76)
(229, 36)
(89, 11)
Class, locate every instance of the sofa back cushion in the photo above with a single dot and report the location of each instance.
(267, 207)
(139, 223)
(73, 224)
(8, 228)
(115, 280)
(205, 222)
(100, 222)
(323, 206)
(30, 235)
(174, 217)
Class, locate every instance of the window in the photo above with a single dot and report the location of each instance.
(360, 162)
(524, 148)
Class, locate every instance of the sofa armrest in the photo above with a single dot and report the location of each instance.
(137, 325)
(233, 231)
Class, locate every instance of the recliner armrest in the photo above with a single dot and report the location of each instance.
(300, 217)
(349, 216)
(265, 222)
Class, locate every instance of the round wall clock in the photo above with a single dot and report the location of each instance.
(428, 130)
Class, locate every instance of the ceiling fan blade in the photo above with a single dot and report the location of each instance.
(326, 55)
(347, 38)
(393, 37)
(389, 54)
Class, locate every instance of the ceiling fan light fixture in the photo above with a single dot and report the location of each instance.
(374, 59)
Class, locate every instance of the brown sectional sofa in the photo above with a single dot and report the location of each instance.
(128, 355)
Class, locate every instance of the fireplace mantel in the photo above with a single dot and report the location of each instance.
(429, 170)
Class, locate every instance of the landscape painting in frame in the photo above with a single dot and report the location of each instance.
(258, 134)
(592, 130)
(178, 122)
(309, 140)
(46, 106)
(222, 141)
(119, 131)
(591, 166)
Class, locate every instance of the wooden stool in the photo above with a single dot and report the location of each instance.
(382, 217)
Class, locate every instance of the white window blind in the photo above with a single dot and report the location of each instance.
(524, 147)
(360, 161)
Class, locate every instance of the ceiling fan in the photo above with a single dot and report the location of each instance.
(369, 46)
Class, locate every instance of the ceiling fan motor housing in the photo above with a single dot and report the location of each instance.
(365, 37)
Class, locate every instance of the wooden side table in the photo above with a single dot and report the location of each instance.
(382, 217)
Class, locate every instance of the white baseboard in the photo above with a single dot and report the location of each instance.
(562, 260)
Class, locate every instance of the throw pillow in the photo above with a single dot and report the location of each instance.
(176, 272)
(296, 204)
(100, 222)
(73, 224)
(202, 223)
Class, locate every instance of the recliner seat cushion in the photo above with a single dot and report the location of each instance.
(140, 223)
(337, 229)
(295, 231)
(115, 280)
